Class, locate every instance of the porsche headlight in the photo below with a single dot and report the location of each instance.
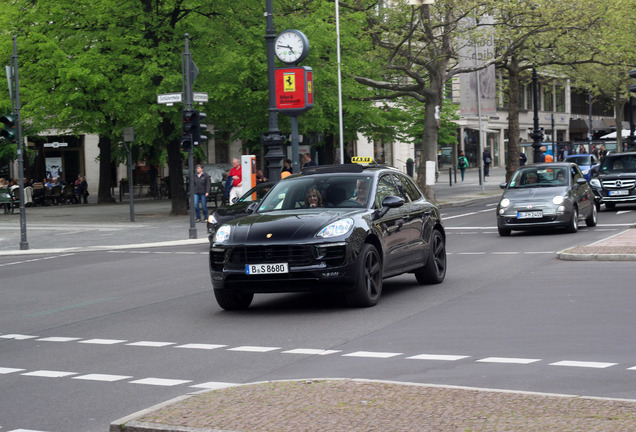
(222, 234)
(557, 200)
(504, 202)
(212, 219)
(585, 171)
(336, 229)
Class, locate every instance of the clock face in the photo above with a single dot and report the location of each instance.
(291, 46)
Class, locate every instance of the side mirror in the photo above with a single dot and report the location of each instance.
(389, 202)
(253, 207)
(581, 180)
(503, 185)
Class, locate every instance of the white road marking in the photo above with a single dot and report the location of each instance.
(260, 349)
(201, 346)
(160, 382)
(59, 339)
(441, 357)
(102, 341)
(511, 360)
(583, 364)
(309, 351)
(151, 344)
(372, 354)
(17, 336)
(102, 377)
(49, 374)
(4, 371)
(24, 430)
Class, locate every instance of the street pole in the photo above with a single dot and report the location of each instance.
(536, 134)
(129, 136)
(273, 141)
(590, 130)
(340, 125)
(188, 104)
(24, 245)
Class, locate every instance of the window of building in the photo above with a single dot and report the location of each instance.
(559, 96)
(548, 102)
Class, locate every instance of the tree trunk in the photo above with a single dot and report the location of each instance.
(104, 195)
(431, 131)
(512, 147)
(175, 171)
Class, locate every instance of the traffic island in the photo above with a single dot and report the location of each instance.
(620, 247)
(360, 405)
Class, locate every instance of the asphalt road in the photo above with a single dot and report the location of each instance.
(87, 338)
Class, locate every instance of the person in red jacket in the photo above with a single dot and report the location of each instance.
(237, 182)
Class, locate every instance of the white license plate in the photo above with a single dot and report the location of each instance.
(618, 192)
(537, 214)
(252, 269)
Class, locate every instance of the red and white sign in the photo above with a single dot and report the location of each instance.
(294, 89)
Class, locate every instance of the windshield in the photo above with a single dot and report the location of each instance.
(318, 192)
(545, 176)
(614, 164)
(580, 160)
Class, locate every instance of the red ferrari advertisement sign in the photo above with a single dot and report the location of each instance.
(294, 89)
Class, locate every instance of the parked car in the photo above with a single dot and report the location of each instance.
(616, 180)
(239, 209)
(546, 195)
(332, 228)
(588, 163)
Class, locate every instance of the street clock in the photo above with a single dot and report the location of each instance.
(291, 46)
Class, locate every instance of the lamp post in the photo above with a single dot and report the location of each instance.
(273, 141)
(536, 133)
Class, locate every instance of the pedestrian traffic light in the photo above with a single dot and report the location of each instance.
(8, 129)
(187, 129)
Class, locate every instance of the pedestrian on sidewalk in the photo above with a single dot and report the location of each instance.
(487, 158)
(462, 163)
(201, 192)
(237, 181)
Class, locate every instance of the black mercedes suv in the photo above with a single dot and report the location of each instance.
(616, 180)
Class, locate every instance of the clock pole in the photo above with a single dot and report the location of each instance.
(273, 141)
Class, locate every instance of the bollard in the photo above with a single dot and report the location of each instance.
(480, 178)
(450, 176)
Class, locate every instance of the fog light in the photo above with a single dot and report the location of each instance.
(501, 211)
(561, 208)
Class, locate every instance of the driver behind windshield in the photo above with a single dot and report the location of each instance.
(362, 190)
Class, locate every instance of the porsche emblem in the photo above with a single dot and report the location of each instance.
(269, 235)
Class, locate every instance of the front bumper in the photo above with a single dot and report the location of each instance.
(312, 267)
(551, 218)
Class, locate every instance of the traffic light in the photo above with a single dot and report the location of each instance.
(187, 129)
(199, 128)
(8, 130)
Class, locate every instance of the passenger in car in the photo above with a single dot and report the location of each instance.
(313, 198)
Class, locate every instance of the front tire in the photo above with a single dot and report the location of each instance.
(504, 232)
(592, 219)
(434, 271)
(230, 300)
(368, 281)
(574, 222)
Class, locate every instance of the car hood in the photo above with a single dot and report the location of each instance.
(277, 227)
(233, 210)
(535, 194)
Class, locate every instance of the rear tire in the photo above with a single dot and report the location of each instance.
(368, 284)
(592, 219)
(434, 271)
(229, 300)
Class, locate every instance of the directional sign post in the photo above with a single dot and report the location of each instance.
(169, 98)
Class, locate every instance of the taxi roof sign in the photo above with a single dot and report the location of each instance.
(362, 159)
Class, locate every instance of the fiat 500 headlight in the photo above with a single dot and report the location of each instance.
(336, 229)
(504, 202)
(557, 200)
(222, 234)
